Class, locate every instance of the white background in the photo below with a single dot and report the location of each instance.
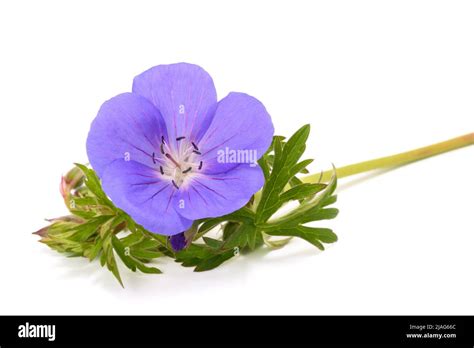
(372, 77)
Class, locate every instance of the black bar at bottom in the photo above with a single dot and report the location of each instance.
(135, 331)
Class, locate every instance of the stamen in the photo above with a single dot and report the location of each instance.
(181, 157)
(172, 160)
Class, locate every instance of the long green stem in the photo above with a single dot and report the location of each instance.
(394, 160)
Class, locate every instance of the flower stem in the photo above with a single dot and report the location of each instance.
(394, 160)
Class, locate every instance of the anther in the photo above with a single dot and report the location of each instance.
(162, 150)
(187, 170)
(180, 138)
(197, 152)
(200, 165)
(153, 158)
(195, 146)
(162, 171)
(174, 184)
(162, 139)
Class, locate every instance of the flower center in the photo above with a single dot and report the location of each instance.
(179, 162)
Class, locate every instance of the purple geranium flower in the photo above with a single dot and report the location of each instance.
(168, 153)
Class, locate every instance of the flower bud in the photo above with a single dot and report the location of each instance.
(70, 181)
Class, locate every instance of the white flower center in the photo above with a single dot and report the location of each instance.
(179, 162)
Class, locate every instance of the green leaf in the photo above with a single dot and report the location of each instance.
(284, 168)
(275, 244)
(328, 201)
(84, 201)
(145, 254)
(313, 198)
(213, 243)
(132, 239)
(83, 214)
(251, 234)
(301, 217)
(244, 235)
(83, 231)
(108, 258)
(214, 261)
(145, 269)
(92, 182)
(121, 252)
(313, 235)
(266, 161)
(203, 257)
(92, 252)
(301, 191)
(309, 209)
(244, 215)
(229, 229)
(130, 255)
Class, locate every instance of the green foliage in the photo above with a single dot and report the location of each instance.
(96, 229)
(254, 225)
(92, 230)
